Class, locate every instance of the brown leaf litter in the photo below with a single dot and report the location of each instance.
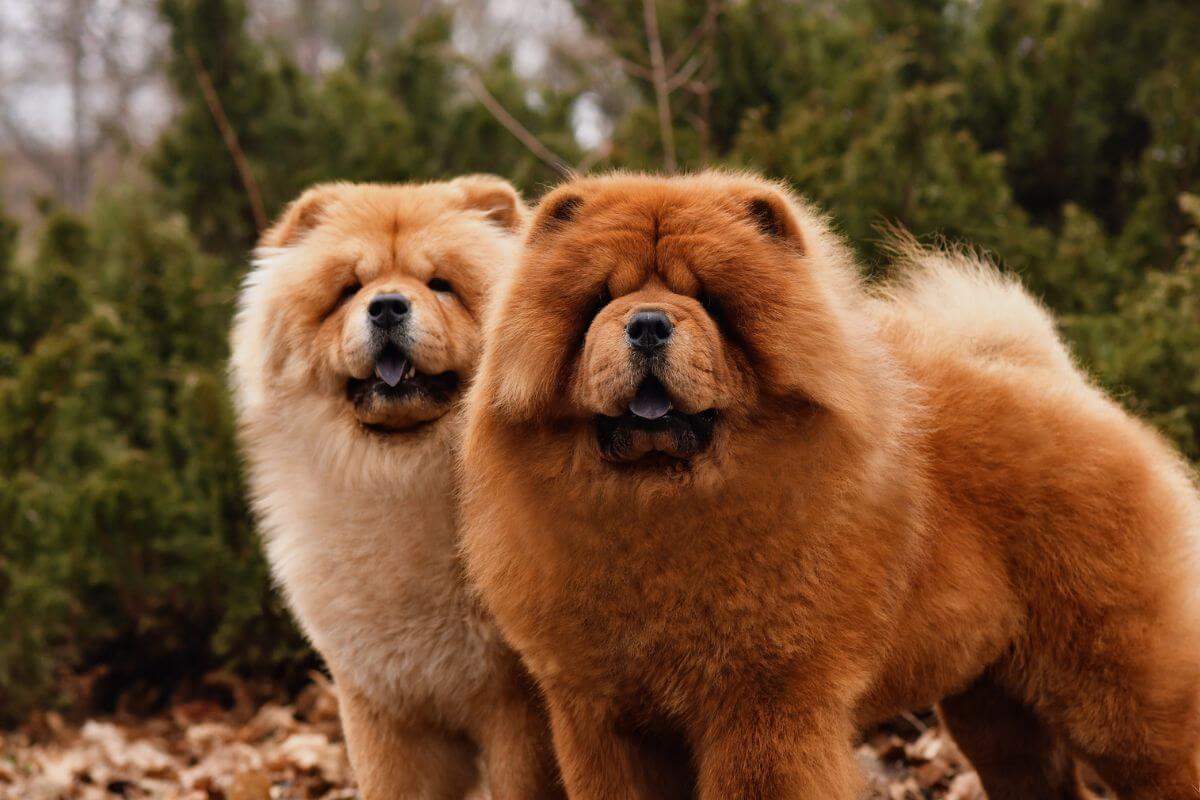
(203, 751)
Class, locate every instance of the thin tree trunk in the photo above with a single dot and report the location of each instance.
(74, 27)
(662, 94)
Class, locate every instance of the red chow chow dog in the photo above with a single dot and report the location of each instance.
(731, 506)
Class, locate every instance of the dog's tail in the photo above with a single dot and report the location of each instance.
(959, 297)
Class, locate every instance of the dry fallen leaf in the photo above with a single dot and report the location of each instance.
(312, 752)
(254, 785)
(966, 787)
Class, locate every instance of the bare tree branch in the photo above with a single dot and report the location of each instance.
(522, 134)
(229, 135)
(668, 75)
(593, 157)
(684, 51)
(662, 94)
(635, 69)
(685, 73)
(74, 28)
(704, 92)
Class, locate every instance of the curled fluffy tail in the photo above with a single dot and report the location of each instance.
(958, 297)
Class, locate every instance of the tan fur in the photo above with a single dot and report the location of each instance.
(910, 496)
(360, 523)
(962, 303)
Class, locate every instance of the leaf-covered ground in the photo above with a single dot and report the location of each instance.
(204, 751)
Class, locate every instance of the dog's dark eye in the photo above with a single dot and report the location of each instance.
(712, 308)
(597, 305)
(441, 285)
(346, 294)
(724, 318)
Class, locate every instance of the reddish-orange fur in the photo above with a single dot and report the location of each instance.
(910, 497)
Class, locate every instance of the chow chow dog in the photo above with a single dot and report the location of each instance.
(356, 333)
(731, 507)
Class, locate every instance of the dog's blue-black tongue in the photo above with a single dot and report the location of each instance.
(390, 367)
(651, 400)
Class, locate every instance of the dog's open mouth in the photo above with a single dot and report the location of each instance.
(652, 427)
(398, 395)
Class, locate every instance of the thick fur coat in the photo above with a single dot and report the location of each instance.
(732, 506)
(357, 331)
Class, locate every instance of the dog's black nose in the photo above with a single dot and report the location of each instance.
(386, 310)
(648, 331)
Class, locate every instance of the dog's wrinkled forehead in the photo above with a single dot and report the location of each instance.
(652, 244)
(346, 207)
(669, 230)
(400, 237)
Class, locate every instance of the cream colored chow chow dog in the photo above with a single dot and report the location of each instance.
(357, 330)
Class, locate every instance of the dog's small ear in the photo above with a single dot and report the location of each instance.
(565, 209)
(496, 198)
(556, 210)
(301, 216)
(773, 215)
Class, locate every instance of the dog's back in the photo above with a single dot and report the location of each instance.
(955, 299)
(1086, 512)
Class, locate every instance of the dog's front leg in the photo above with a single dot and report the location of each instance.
(774, 750)
(399, 758)
(514, 735)
(596, 760)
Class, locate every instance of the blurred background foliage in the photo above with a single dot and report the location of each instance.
(1062, 136)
